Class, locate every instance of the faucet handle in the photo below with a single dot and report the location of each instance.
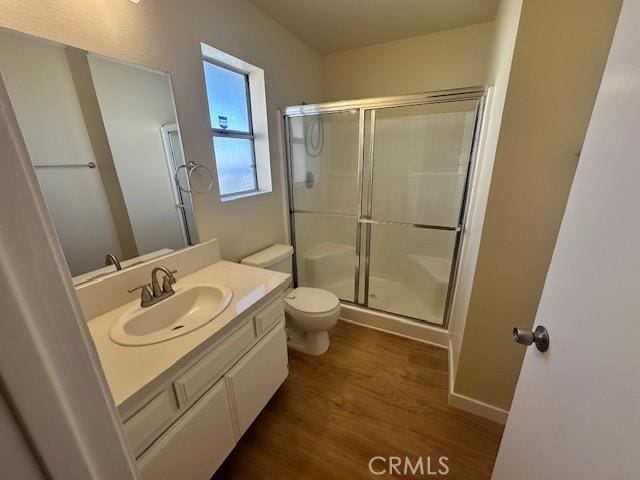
(169, 280)
(145, 292)
(166, 284)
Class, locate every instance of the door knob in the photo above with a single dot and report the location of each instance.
(540, 336)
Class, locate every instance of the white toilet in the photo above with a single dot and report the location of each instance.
(310, 312)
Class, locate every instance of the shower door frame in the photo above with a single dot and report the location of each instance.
(371, 105)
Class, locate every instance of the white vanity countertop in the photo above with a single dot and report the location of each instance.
(130, 368)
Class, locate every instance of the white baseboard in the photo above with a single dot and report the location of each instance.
(452, 371)
(477, 407)
(395, 325)
(472, 405)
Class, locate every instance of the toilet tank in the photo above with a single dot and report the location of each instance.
(277, 257)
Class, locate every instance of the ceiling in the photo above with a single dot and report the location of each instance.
(330, 26)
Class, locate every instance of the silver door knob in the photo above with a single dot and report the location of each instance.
(540, 336)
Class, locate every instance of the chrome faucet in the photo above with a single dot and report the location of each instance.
(152, 293)
(167, 282)
(111, 259)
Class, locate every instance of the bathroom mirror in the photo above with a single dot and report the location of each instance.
(104, 142)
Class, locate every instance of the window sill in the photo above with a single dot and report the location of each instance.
(238, 196)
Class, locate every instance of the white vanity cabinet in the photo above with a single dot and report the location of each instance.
(187, 429)
(252, 381)
(196, 445)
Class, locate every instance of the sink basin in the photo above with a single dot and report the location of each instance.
(186, 310)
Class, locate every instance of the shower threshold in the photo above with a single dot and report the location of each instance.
(390, 296)
(402, 326)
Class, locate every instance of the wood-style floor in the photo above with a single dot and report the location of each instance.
(372, 394)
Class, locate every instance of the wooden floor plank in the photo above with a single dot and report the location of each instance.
(372, 394)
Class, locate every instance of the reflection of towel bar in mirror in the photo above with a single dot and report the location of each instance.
(109, 172)
(67, 165)
(192, 167)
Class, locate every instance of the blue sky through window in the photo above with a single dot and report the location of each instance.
(227, 96)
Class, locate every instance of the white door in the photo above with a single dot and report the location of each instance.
(576, 412)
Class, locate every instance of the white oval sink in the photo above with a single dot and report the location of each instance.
(185, 311)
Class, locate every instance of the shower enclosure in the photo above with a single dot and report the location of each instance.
(377, 194)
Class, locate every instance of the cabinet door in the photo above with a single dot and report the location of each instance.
(256, 377)
(196, 445)
(150, 421)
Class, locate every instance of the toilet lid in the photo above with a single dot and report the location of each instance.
(311, 300)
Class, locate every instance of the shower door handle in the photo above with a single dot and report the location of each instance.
(540, 336)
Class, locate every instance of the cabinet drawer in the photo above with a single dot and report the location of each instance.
(196, 445)
(256, 377)
(269, 316)
(209, 369)
(148, 422)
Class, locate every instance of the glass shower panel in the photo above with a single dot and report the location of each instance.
(326, 253)
(324, 162)
(421, 157)
(377, 195)
(409, 270)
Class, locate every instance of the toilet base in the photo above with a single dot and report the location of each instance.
(311, 343)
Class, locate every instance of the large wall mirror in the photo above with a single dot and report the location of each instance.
(104, 142)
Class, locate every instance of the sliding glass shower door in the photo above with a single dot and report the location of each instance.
(418, 164)
(324, 188)
(377, 200)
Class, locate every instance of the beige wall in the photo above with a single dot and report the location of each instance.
(450, 59)
(165, 35)
(559, 58)
(504, 40)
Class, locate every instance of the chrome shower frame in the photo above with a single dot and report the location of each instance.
(364, 220)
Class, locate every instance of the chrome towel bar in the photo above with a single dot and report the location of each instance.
(66, 165)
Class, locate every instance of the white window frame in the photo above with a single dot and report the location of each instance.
(257, 117)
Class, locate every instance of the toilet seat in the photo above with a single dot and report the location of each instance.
(309, 312)
(311, 301)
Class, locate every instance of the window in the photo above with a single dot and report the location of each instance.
(237, 115)
(230, 113)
